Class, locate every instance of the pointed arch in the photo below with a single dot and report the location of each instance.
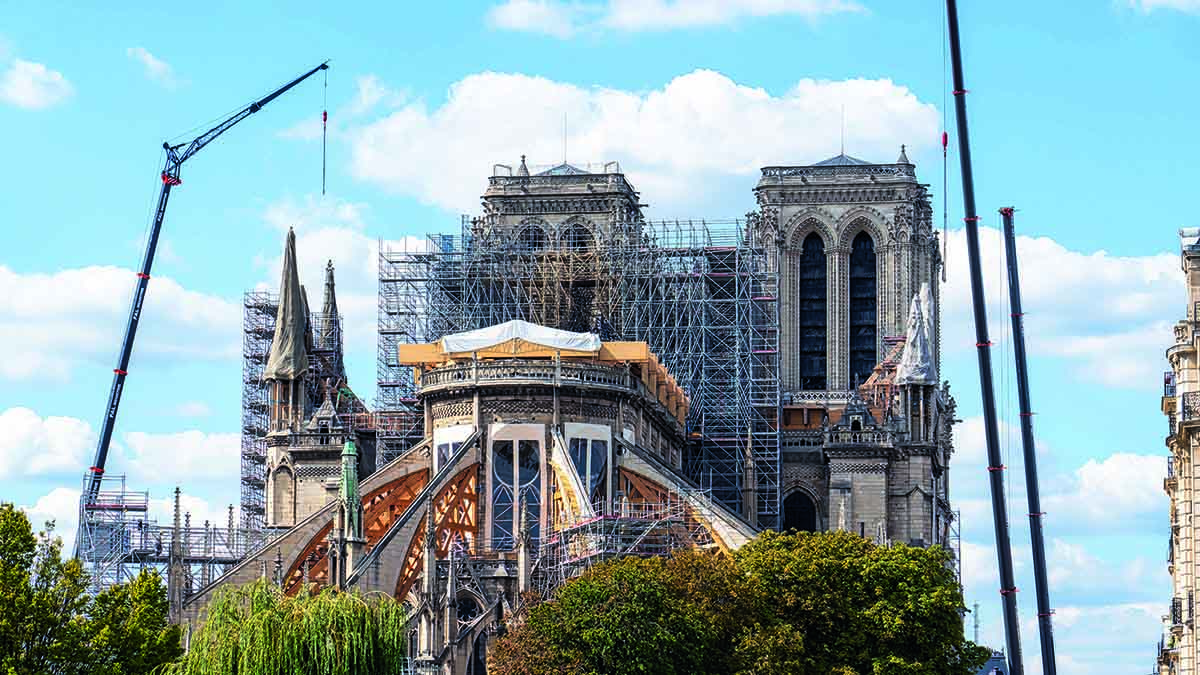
(863, 291)
(801, 511)
(577, 234)
(811, 322)
(532, 235)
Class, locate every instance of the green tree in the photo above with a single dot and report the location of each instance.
(256, 630)
(127, 629)
(784, 603)
(49, 623)
(863, 608)
(42, 600)
(635, 615)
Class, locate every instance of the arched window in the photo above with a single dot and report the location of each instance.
(862, 308)
(283, 497)
(532, 238)
(577, 238)
(810, 309)
(799, 512)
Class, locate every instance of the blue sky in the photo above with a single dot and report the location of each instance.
(1081, 116)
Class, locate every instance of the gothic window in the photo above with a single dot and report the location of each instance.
(529, 471)
(531, 238)
(810, 308)
(862, 308)
(577, 238)
(590, 465)
(502, 495)
(799, 512)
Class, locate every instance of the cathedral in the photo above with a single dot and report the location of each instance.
(564, 382)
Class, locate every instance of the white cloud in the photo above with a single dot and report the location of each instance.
(1120, 489)
(60, 505)
(1191, 6)
(31, 445)
(564, 18)
(550, 17)
(693, 131)
(50, 324)
(1109, 316)
(182, 456)
(156, 69)
(32, 85)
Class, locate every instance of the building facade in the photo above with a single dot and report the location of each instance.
(1181, 405)
(565, 381)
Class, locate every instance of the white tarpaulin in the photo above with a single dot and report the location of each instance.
(483, 338)
(916, 362)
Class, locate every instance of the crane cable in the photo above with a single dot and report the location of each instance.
(945, 144)
(324, 125)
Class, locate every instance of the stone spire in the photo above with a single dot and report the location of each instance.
(330, 307)
(348, 492)
(522, 170)
(288, 359)
(903, 159)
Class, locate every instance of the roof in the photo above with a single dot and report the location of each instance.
(842, 160)
(288, 359)
(563, 169)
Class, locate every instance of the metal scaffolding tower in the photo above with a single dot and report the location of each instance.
(699, 292)
(258, 329)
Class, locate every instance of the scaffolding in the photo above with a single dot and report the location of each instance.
(119, 539)
(699, 292)
(258, 330)
(647, 529)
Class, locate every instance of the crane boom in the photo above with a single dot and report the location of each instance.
(170, 178)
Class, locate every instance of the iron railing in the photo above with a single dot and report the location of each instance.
(1189, 408)
(1176, 611)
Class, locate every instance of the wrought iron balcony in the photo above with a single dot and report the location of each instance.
(1176, 612)
(1189, 408)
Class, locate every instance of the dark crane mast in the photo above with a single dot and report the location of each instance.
(170, 178)
(983, 344)
(1045, 629)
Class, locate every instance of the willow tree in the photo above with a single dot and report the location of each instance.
(257, 630)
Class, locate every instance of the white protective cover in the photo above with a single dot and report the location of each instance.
(491, 336)
(916, 362)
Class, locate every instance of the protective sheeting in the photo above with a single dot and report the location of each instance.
(916, 362)
(483, 338)
(288, 359)
(927, 312)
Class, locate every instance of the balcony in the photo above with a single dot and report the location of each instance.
(1169, 482)
(1189, 407)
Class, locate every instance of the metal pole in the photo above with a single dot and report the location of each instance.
(1045, 629)
(1008, 589)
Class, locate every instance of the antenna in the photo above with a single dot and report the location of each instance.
(843, 151)
(564, 137)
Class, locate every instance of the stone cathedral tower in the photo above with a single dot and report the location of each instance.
(865, 442)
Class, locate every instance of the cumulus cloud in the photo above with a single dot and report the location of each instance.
(564, 18)
(182, 456)
(155, 68)
(695, 130)
(1110, 316)
(193, 409)
(35, 446)
(1189, 6)
(200, 509)
(370, 93)
(60, 505)
(31, 85)
(52, 323)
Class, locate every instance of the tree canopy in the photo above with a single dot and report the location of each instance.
(49, 623)
(257, 630)
(784, 603)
